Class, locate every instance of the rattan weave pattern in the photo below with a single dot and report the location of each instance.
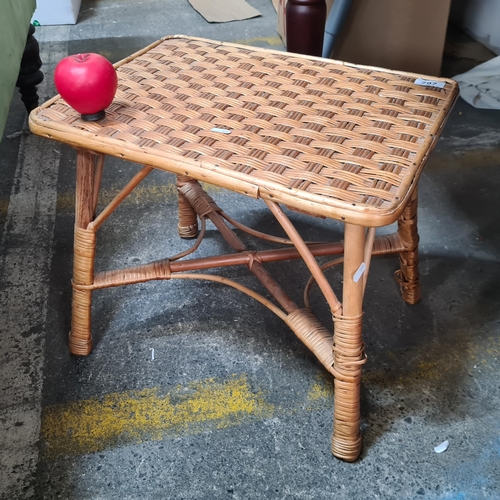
(355, 136)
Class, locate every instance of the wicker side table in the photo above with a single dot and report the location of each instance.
(323, 137)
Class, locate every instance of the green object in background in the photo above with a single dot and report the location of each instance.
(15, 16)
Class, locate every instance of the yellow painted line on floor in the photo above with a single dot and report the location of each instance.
(141, 195)
(148, 415)
(322, 389)
(269, 40)
(133, 417)
(466, 159)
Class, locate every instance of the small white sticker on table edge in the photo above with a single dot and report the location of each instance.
(359, 272)
(220, 130)
(430, 83)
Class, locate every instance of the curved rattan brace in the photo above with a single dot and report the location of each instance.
(233, 284)
(302, 322)
(312, 280)
(313, 334)
(263, 236)
(306, 254)
(118, 199)
(408, 275)
(196, 245)
(203, 204)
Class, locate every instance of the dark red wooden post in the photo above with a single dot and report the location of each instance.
(305, 26)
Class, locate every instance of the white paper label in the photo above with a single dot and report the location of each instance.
(220, 130)
(359, 272)
(430, 83)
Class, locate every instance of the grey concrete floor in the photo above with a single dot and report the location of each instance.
(233, 405)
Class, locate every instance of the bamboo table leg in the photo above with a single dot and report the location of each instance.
(348, 350)
(407, 275)
(80, 337)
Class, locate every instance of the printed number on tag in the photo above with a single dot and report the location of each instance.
(430, 83)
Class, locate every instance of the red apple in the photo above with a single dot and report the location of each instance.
(88, 83)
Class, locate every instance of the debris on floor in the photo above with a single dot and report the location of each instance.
(440, 448)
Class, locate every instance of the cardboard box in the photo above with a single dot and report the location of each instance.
(51, 12)
(402, 35)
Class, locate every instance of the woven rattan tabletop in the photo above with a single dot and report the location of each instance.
(326, 137)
